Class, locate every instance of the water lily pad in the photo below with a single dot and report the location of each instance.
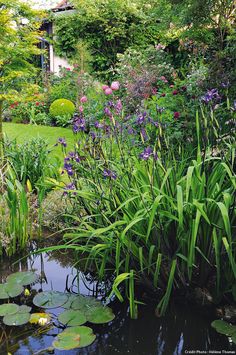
(22, 278)
(100, 315)
(8, 308)
(10, 290)
(16, 319)
(85, 303)
(3, 292)
(71, 298)
(223, 327)
(14, 290)
(74, 337)
(40, 318)
(50, 299)
(24, 309)
(72, 318)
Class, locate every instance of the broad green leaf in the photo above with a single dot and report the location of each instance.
(100, 315)
(223, 327)
(16, 319)
(8, 308)
(50, 299)
(74, 337)
(72, 318)
(23, 278)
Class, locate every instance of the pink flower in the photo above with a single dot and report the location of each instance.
(81, 109)
(37, 103)
(154, 91)
(108, 91)
(83, 99)
(104, 87)
(163, 78)
(171, 86)
(163, 94)
(176, 115)
(115, 85)
(68, 69)
(175, 92)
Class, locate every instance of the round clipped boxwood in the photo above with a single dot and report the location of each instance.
(62, 107)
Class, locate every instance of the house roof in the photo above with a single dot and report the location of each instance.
(63, 5)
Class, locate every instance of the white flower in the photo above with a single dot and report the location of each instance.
(42, 321)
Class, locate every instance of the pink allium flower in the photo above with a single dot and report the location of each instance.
(115, 85)
(83, 99)
(108, 91)
(81, 109)
(104, 87)
(176, 115)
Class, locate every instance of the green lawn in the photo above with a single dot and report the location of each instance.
(24, 132)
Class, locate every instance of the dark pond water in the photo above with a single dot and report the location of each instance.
(182, 331)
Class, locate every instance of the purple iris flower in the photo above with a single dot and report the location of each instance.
(109, 174)
(210, 96)
(98, 124)
(61, 141)
(79, 125)
(145, 155)
(107, 112)
(68, 188)
(141, 118)
(93, 135)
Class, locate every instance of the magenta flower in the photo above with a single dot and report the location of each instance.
(115, 85)
(176, 115)
(175, 92)
(81, 109)
(104, 87)
(108, 91)
(83, 99)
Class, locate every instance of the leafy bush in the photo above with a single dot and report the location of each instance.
(142, 73)
(62, 107)
(30, 161)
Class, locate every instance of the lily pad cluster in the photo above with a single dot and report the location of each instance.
(78, 310)
(225, 328)
(13, 286)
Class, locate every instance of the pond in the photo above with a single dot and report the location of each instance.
(182, 329)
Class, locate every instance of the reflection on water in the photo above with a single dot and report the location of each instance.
(181, 329)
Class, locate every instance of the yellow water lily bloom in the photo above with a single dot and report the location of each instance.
(27, 292)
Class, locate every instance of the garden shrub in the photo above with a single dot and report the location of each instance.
(30, 161)
(62, 107)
